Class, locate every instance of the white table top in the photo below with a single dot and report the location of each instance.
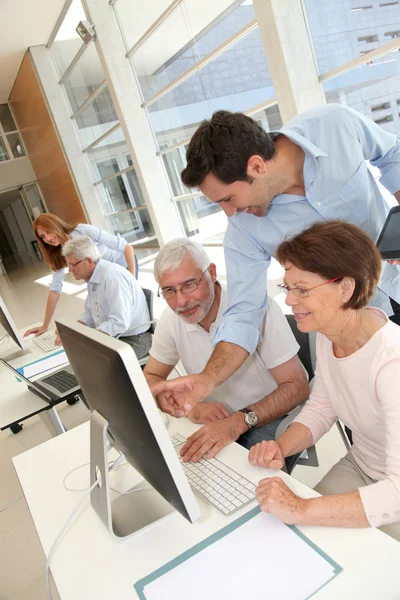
(16, 401)
(89, 564)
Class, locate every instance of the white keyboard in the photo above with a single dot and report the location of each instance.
(46, 341)
(216, 483)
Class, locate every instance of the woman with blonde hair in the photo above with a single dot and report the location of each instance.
(52, 233)
(332, 270)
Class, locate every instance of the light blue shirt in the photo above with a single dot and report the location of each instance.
(115, 302)
(111, 247)
(337, 141)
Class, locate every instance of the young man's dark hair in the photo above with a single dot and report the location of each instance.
(222, 146)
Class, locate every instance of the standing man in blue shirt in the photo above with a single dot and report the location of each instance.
(273, 185)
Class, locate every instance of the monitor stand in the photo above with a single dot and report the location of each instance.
(127, 514)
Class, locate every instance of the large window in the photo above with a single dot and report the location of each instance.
(349, 29)
(10, 141)
(190, 61)
(100, 134)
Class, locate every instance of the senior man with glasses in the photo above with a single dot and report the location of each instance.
(251, 403)
(115, 303)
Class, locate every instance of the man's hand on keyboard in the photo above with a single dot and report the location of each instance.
(57, 341)
(178, 396)
(211, 438)
(207, 412)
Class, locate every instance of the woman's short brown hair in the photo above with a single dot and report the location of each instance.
(336, 249)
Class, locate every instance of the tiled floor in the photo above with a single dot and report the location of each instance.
(23, 562)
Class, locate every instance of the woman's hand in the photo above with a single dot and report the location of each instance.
(266, 454)
(36, 330)
(276, 498)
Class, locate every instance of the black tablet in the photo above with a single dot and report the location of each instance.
(389, 239)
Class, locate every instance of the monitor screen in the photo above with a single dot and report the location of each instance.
(389, 240)
(12, 343)
(113, 384)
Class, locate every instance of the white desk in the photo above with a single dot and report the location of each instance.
(88, 564)
(18, 403)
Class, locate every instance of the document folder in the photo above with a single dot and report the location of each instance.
(256, 556)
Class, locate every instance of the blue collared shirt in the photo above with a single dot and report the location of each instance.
(337, 141)
(115, 302)
(111, 247)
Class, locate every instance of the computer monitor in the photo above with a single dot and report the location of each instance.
(11, 342)
(389, 239)
(117, 393)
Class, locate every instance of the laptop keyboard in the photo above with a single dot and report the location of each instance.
(46, 341)
(216, 483)
(63, 381)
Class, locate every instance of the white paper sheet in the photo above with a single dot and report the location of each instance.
(262, 559)
(45, 364)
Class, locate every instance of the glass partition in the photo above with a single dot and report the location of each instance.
(158, 69)
(357, 28)
(10, 140)
(97, 119)
(67, 41)
(237, 78)
(84, 78)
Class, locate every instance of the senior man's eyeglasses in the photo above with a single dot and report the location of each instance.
(299, 292)
(72, 266)
(186, 288)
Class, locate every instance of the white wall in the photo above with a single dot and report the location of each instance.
(14, 173)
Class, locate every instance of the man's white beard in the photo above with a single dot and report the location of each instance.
(204, 308)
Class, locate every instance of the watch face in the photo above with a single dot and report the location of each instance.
(251, 419)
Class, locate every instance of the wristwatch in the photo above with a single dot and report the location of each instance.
(250, 417)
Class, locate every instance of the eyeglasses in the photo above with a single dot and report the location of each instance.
(186, 288)
(299, 292)
(76, 264)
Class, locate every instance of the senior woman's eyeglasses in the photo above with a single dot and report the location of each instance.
(186, 288)
(299, 292)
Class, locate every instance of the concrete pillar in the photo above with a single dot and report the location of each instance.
(290, 57)
(126, 95)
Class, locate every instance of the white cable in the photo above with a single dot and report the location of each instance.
(113, 466)
(59, 536)
(11, 503)
(69, 489)
(71, 517)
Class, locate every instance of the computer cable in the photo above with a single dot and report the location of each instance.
(19, 497)
(61, 533)
(72, 515)
(113, 466)
(11, 503)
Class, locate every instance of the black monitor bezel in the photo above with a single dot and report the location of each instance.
(386, 254)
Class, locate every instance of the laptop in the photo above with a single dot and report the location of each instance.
(389, 239)
(56, 386)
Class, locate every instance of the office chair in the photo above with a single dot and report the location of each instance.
(136, 267)
(149, 295)
(307, 356)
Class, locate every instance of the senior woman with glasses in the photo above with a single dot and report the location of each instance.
(331, 271)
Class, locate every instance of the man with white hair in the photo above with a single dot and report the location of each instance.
(250, 404)
(115, 303)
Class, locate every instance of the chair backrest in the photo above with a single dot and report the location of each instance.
(136, 267)
(149, 295)
(306, 342)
